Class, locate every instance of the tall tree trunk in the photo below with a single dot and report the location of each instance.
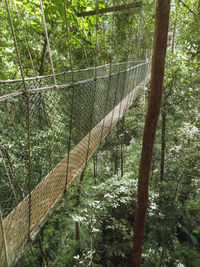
(42, 250)
(199, 8)
(122, 147)
(122, 158)
(40, 257)
(78, 202)
(154, 103)
(116, 160)
(173, 37)
(95, 159)
(162, 160)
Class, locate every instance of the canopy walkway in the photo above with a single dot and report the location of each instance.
(67, 124)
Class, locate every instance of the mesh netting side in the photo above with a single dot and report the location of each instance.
(98, 105)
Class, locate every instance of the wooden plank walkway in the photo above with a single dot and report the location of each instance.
(48, 193)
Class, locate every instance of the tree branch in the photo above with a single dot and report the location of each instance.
(110, 9)
(43, 251)
(188, 8)
(77, 32)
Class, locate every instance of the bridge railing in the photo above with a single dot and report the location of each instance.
(10, 86)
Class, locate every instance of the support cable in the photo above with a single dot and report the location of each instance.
(26, 42)
(135, 83)
(123, 91)
(116, 94)
(109, 59)
(48, 45)
(125, 85)
(54, 81)
(144, 86)
(95, 81)
(121, 115)
(115, 100)
(26, 94)
(106, 103)
(73, 91)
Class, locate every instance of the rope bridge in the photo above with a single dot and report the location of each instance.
(67, 124)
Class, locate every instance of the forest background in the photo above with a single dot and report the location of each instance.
(93, 224)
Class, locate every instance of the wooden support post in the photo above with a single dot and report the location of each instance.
(110, 9)
(154, 103)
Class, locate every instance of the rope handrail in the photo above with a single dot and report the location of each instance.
(35, 90)
(69, 72)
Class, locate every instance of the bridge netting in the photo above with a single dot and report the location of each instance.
(67, 124)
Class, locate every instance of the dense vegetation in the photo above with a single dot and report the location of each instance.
(92, 226)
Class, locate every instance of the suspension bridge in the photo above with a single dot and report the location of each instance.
(50, 126)
(67, 125)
